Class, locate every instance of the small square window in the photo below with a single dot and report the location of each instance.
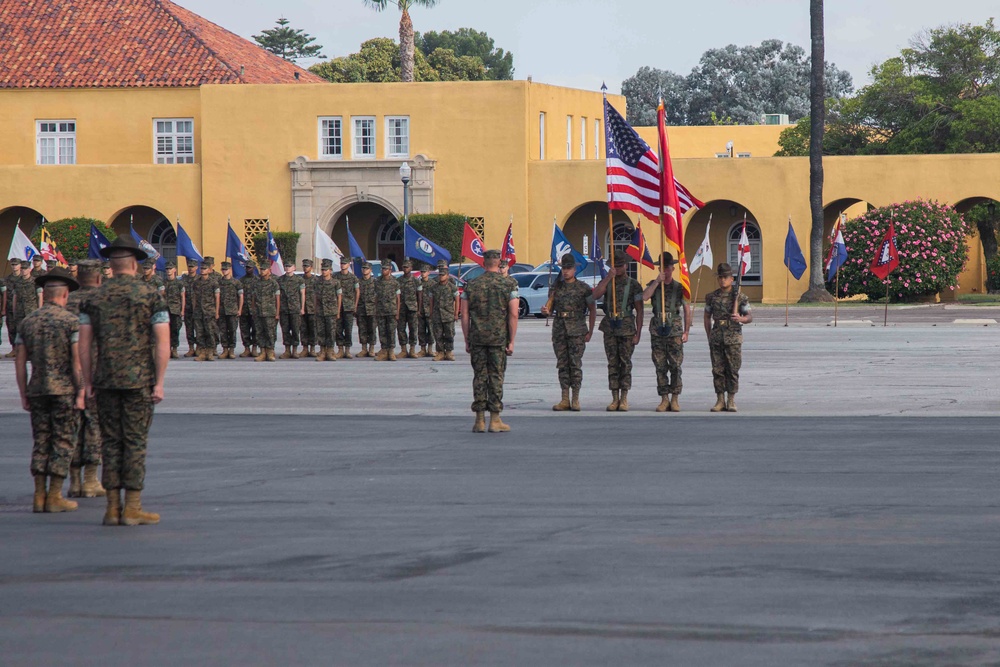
(56, 142)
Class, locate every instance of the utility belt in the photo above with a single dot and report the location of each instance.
(568, 314)
(726, 324)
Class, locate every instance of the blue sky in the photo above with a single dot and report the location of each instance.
(580, 43)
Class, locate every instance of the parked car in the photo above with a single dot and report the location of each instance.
(533, 292)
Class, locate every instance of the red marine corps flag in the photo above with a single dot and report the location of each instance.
(673, 207)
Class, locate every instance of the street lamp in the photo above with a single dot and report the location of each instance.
(404, 175)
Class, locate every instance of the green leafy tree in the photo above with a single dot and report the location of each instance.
(642, 92)
(72, 235)
(406, 37)
(376, 62)
(986, 219)
(288, 43)
(466, 42)
(450, 67)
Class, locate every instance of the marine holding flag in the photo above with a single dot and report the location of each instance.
(621, 325)
(668, 332)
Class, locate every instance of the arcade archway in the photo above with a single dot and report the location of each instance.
(29, 220)
(374, 227)
(726, 217)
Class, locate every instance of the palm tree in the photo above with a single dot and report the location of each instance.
(405, 30)
(817, 126)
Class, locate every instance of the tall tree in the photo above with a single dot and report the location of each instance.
(642, 93)
(817, 113)
(289, 43)
(406, 45)
(469, 43)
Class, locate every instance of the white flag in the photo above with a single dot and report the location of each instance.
(704, 255)
(21, 246)
(744, 251)
(325, 248)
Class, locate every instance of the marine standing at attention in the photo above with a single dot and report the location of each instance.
(310, 333)
(445, 305)
(249, 283)
(725, 315)
(387, 312)
(293, 297)
(175, 294)
(207, 297)
(365, 310)
(668, 332)
(622, 328)
(571, 303)
(266, 309)
(327, 296)
(425, 332)
(408, 310)
(190, 330)
(349, 300)
(231, 298)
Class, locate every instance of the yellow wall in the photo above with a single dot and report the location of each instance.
(706, 141)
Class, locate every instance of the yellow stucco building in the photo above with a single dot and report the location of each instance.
(232, 135)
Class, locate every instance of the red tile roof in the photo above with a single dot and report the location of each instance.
(127, 43)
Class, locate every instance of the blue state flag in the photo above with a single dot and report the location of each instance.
(561, 246)
(237, 253)
(147, 247)
(794, 259)
(419, 247)
(98, 242)
(185, 247)
(838, 255)
(357, 256)
(274, 256)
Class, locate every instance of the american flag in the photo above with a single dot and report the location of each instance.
(633, 171)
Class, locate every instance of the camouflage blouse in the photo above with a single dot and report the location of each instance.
(441, 299)
(674, 308)
(386, 290)
(570, 306)
(204, 291)
(229, 296)
(326, 292)
(366, 296)
(123, 313)
(409, 286)
(719, 305)
(488, 298)
(627, 300)
(49, 334)
(264, 292)
(310, 283)
(172, 293)
(291, 292)
(348, 286)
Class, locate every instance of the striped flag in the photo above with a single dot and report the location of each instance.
(633, 171)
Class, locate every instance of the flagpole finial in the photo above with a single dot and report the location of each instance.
(604, 88)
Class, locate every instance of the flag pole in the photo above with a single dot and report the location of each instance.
(885, 321)
(836, 297)
(787, 273)
(739, 271)
(552, 263)
(611, 251)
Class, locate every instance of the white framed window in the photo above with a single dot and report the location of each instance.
(173, 140)
(56, 141)
(569, 137)
(541, 135)
(397, 136)
(597, 139)
(753, 276)
(583, 138)
(331, 137)
(363, 135)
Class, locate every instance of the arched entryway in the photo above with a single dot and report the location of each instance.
(376, 229)
(848, 207)
(579, 229)
(726, 218)
(983, 217)
(29, 219)
(143, 219)
(164, 239)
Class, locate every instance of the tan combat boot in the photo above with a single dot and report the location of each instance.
(295, 352)
(132, 514)
(371, 349)
(192, 351)
(623, 402)
(346, 353)
(247, 352)
(210, 354)
(413, 352)
(674, 405)
(321, 356)
(54, 502)
(38, 502)
(731, 403)
(113, 513)
(664, 405)
(91, 485)
(287, 354)
(574, 403)
(382, 355)
(449, 355)
(478, 427)
(497, 426)
(615, 401)
(173, 353)
(309, 351)
(200, 355)
(270, 354)
(364, 351)
(74, 483)
(421, 352)
(439, 356)
(720, 403)
(262, 356)
(562, 405)
(392, 354)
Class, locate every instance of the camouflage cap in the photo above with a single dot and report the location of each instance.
(326, 264)
(345, 260)
(58, 275)
(724, 270)
(250, 264)
(442, 265)
(148, 264)
(568, 261)
(289, 263)
(425, 267)
(37, 258)
(367, 265)
(105, 265)
(192, 261)
(208, 261)
(307, 262)
(226, 265)
(386, 266)
(407, 264)
(171, 264)
(491, 254)
(14, 261)
(73, 262)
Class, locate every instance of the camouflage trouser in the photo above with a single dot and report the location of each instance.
(247, 331)
(13, 322)
(227, 329)
(265, 331)
(569, 360)
(619, 351)
(345, 328)
(489, 363)
(208, 331)
(327, 330)
(88, 443)
(407, 318)
(53, 424)
(311, 329)
(175, 330)
(291, 326)
(425, 332)
(444, 335)
(386, 331)
(668, 355)
(190, 329)
(366, 329)
(125, 415)
(727, 357)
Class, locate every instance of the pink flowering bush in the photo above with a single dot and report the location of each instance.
(930, 238)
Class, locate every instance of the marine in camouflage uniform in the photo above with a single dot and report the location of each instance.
(387, 304)
(310, 330)
(38, 268)
(441, 296)
(87, 448)
(149, 275)
(409, 306)
(293, 290)
(349, 299)
(266, 295)
(622, 328)
(425, 330)
(365, 311)
(725, 338)
(489, 324)
(249, 283)
(47, 338)
(570, 302)
(10, 287)
(667, 336)
(190, 330)
(26, 297)
(130, 322)
(175, 294)
(231, 297)
(327, 296)
(207, 306)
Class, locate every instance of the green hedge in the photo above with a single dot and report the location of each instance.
(287, 243)
(72, 235)
(445, 229)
